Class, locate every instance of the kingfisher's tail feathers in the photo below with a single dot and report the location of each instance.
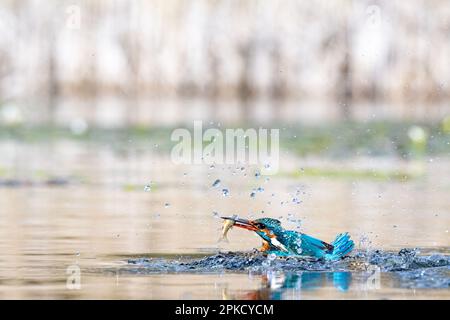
(342, 246)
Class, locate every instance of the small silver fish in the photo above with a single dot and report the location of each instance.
(227, 225)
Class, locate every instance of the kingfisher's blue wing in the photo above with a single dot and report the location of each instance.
(314, 247)
(340, 247)
(302, 244)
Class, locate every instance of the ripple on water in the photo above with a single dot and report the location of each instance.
(408, 267)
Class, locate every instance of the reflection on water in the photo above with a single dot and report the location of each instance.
(90, 210)
(279, 285)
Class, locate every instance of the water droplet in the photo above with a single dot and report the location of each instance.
(215, 214)
(271, 256)
(216, 183)
(298, 244)
(257, 175)
(225, 192)
(253, 194)
(259, 189)
(166, 205)
(148, 188)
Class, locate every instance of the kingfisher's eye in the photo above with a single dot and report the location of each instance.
(260, 225)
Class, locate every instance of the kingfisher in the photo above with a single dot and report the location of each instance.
(284, 242)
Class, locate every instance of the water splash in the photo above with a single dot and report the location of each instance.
(271, 256)
(410, 268)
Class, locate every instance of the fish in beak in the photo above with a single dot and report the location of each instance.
(241, 223)
(269, 238)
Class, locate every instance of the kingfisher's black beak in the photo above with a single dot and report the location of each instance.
(242, 223)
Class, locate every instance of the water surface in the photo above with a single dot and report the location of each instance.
(63, 205)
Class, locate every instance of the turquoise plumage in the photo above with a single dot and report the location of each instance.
(287, 242)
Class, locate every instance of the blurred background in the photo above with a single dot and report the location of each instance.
(90, 92)
(121, 63)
